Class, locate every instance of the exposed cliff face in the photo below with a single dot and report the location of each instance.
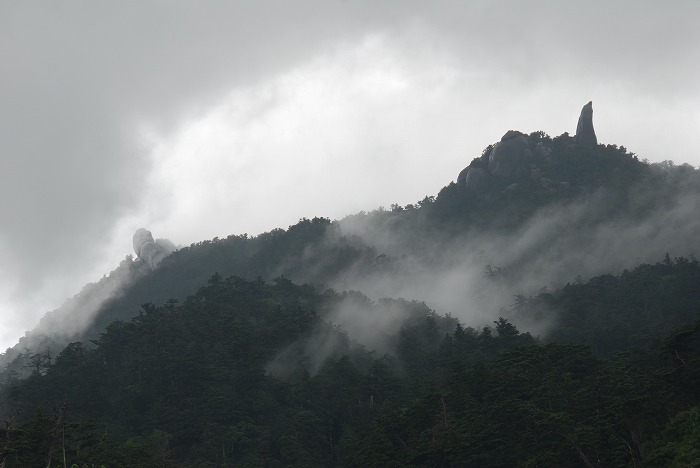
(585, 134)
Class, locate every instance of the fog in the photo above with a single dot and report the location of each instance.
(481, 274)
(559, 244)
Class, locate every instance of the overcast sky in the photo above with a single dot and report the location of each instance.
(203, 119)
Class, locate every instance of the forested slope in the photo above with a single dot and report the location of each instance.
(222, 379)
(573, 211)
(551, 321)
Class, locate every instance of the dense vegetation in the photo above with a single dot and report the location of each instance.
(221, 357)
(188, 384)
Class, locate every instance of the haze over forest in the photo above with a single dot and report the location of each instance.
(204, 120)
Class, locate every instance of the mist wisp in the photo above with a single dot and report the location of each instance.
(475, 276)
(59, 327)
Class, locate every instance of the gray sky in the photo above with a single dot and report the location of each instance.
(203, 119)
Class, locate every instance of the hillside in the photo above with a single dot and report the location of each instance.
(553, 310)
(573, 212)
(245, 373)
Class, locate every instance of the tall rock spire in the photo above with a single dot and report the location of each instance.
(585, 134)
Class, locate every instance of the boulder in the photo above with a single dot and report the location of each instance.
(147, 249)
(585, 134)
(478, 180)
(142, 237)
(508, 155)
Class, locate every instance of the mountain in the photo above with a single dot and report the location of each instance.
(571, 211)
(547, 302)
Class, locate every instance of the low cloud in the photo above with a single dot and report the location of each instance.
(476, 276)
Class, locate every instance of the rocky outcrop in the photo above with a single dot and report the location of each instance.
(508, 155)
(506, 164)
(478, 180)
(585, 134)
(148, 250)
(500, 166)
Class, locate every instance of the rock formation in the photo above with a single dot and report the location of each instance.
(502, 164)
(510, 160)
(585, 134)
(147, 249)
(507, 156)
(478, 180)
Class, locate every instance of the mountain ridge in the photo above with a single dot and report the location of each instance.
(556, 172)
(556, 313)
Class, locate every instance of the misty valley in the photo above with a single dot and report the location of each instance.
(541, 311)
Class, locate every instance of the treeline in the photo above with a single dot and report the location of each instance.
(191, 383)
(616, 313)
